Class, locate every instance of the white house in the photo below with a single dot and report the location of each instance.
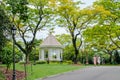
(51, 49)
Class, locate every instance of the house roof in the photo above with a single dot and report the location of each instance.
(51, 41)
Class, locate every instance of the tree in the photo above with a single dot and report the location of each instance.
(35, 53)
(105, 34)
(117, 57)
(28, 17)
(7, 57)
(110, 24)
(4, 27)
(97, 37)
(65, 40)
(75, 20)
(112, 20)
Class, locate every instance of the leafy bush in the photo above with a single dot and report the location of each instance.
(69, 62)
(40, 62)
(7, 57)
(22, 62)
(54, 61)
(2, 77)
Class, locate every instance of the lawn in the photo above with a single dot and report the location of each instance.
(44, 70)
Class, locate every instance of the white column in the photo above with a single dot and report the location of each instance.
(41, 54)
(58, 54)
(61, 53)
(50, 54)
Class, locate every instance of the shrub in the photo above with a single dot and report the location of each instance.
(7, 57)
(40, 62)
(2, 77)
(22, 62)
(55, 61)
(69, 62)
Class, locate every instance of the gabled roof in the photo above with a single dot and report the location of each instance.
(51, 41)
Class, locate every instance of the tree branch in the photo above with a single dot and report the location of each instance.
(114, 42)
(20, 47)
(40, 19)
(117, 35)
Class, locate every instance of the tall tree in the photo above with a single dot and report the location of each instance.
(4, 27)
(65, 40)
(75, 20)
(111, 22)
(105, 34)
(98, 37)
(2, 37)
(29, 17)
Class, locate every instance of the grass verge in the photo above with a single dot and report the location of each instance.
(44, 70)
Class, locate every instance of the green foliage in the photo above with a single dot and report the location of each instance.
(7, 57)
(64, 39)
(28, 16)
(2, 77)
(76, 20)
(40, 62)
(22, 62)
(34, 54)
(44, 70)
(19, 7)
(68, 62)
(68, 53)
(104, 36)
(117, 57)
(4, 26)
(111, 21)
(56, 62)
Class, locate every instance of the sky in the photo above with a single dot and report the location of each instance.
(59, 30)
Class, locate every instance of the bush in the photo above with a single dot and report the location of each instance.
(69, 62)
(22, 62)
(40, 62)
(2, 77)
(55, 61)
(7, 57)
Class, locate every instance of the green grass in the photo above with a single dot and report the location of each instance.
(44, 70)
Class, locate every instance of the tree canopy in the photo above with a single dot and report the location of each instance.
(28, 16)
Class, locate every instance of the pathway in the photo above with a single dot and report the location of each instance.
(92, 73)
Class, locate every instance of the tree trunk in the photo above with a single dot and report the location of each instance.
(27, 59)
(25, 65)
(76, 57)
(110, 59)
(87, 58)
(8, 66)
